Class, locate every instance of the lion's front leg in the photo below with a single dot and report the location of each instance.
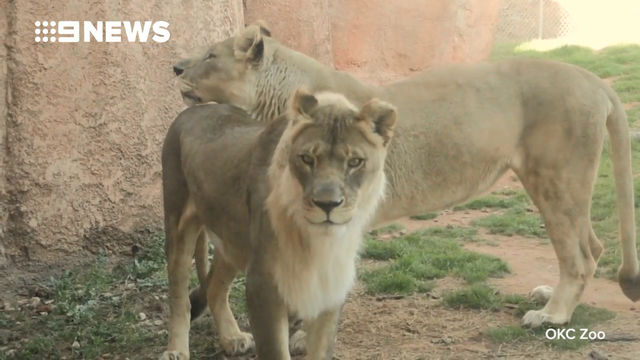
(321, 334)
(268, 315)
(297, 336)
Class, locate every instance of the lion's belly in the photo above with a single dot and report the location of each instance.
(228, 220)
(439, 189)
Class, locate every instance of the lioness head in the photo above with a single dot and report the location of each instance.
(221, 73)
(330, 160)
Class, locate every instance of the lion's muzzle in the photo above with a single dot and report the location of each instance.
(327, 195)
(180, 66)
(327, 206)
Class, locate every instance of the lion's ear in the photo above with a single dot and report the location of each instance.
(382, 116)
(303, 102)
(264, 28)
(249, 45)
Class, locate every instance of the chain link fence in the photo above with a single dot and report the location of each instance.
(526, 20)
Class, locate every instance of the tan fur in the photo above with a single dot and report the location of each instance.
(463, 126)
(296, 266)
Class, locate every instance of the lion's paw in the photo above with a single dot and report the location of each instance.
(174, 355)
(536, 318)
(237, 345)
(298, 344)
(541, 294)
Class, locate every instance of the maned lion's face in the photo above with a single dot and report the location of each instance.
(337, 154)
(221, 73)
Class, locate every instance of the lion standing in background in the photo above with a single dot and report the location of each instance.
(460, 128)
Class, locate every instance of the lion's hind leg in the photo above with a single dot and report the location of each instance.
(198, 296)
(221, 276)
(181, 240)
(561, 185)
(542, 294)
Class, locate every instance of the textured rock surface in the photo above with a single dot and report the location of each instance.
(4, 210)
(85, 121)
(301, 25)
(379, 40)
(382, 40)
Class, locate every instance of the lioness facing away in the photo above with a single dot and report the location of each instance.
(460, 128)
(288, 201)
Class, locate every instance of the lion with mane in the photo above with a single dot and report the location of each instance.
(289, 202)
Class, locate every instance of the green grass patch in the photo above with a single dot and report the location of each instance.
(459, 233)
(389, 229)
(479, 296)
(493, 201)
(393, 281)
(418, 258)
(514, 221)
(424, 217)
(237, 298)
(509, 333)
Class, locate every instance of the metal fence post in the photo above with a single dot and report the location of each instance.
(540, 19)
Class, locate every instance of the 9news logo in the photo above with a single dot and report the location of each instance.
(107, 31)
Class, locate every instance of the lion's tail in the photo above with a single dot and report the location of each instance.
(618, 128)
(198, 296)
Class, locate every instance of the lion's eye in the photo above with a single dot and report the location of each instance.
(307, 159)
(210, 56)
(355, 162)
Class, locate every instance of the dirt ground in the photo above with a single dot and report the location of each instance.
(418, 328)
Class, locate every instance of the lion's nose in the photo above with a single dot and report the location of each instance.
(178, 70)
(327, 205)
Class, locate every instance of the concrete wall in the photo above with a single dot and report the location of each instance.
(4, 85)
(85, 122)
(304, 25)
(379, 40)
